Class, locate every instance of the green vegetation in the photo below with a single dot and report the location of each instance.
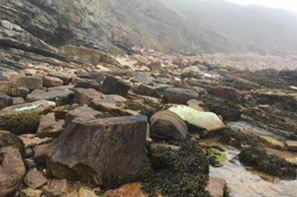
(20, 122)
(220, 156)
(271, 164)
(179, 169)
(12, 140)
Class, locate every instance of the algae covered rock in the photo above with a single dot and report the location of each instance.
(259, 160)
(9, 139)
(206, 121)
(19, 122)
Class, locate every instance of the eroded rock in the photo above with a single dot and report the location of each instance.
(99, 149)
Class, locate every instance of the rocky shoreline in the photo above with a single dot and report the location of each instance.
(76, 121)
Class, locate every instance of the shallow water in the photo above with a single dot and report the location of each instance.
(246, 183)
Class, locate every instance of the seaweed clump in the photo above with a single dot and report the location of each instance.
(270, 164)
(175, 170)
(20, 122)
(239, 139)
(147, 107)
(10, 139)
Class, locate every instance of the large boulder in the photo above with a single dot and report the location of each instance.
(206, 121)
(99, 149)
(179, 95)
(113, 85)
(166, 125)
(12, 170)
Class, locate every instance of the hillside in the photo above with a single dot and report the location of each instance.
(168, 26)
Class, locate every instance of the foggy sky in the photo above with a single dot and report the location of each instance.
(290, 5)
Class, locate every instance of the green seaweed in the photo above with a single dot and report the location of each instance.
(180, 169)
(12, 140)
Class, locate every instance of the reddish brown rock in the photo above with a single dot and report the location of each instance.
(84, 112)
(130, 189)
(65, 77)
(5, 100)
(35, 179)
(51, 81)
(113, 85)
(49, 127)
(179, 95)
(59, 188)
(39, 152)
(12, 170)
(31, 82)
(99, 149)
(85, 96)
(216, 187)
(29, 192)
(13, 89)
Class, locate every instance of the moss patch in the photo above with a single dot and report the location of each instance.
(270, 164)
(20, 122)
(220, 156)
(174, 172)
(239, 139)
(12, 140)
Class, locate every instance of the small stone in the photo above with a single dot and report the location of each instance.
(113, 85)
(13, 89)
(35, 179)
(59, 95)
(86, 192)
(84, 113)
(32, 140)
(85, 83)
(49, 127)
(166, 125)
(195, 104)
(273, 143)
(146, 90)
(18, 101)
(179, 95)
(141, 79)
(65, 77)
(12, 170)
(57, 188)
(5, 100)
(85, 96)
(130, 189)
(31, 82)
(30, 71)
(29, 192)
(51, 81)
(292, 145)
(97, 76)
(216, 186)
(39, 152)
(157, 65)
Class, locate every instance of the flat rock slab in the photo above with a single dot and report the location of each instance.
(31, 82)
(85, 96)
(292, 145)
(41, 107)
(130, 189)
(207, 121)
(179, 95)
(59, 95)
(35, 179)
(99, 148)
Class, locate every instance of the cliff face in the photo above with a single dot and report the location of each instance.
(169, 26)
